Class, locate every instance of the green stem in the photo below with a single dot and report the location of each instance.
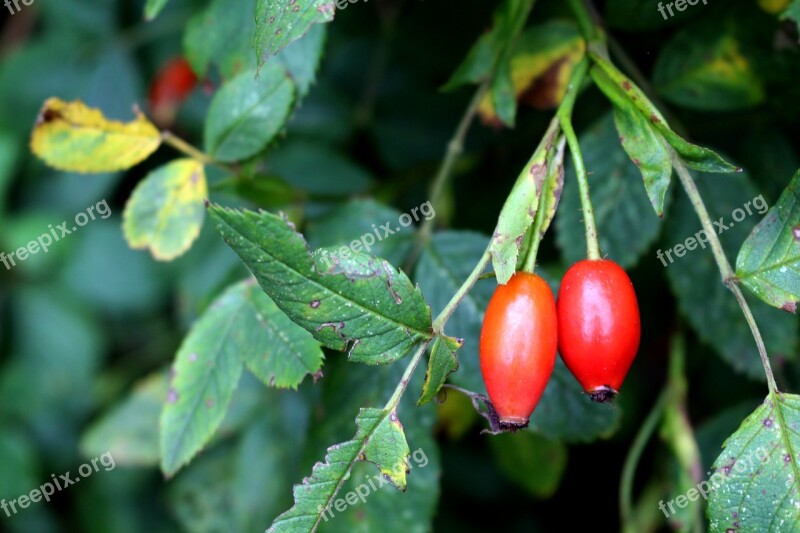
(564, 115)
(447, 312)
(635, 454)
(587, 26)
(726, 271)
(189, 150)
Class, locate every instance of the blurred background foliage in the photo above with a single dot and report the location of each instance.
(88, 330)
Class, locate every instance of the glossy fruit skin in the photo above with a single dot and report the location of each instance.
(518, 346)
(598, 325)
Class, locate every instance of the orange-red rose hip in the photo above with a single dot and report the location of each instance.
(518, 346)
(598, 325)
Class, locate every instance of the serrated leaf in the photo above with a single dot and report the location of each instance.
(284, 353)
(444, 264)
(566, 413)
(648, 151)
(224, 37)
(205, 374)
(710, 307)
(350, 387)
(74, 137)
(442, 363)
(359, 303)
(707, 70)
(769, 260)
(165, 211)
(519, 210)
(626, 226)
(129, 431)
(153, 7)
(546, 54)
(623, 93)
(352, 222)
(301, 59)
(247, 113)
(240, 326)
(280, 23)
(379, 439)
(756, 482)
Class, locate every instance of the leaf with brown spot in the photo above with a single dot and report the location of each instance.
(74, 137)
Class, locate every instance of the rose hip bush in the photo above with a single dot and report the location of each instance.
(521, 347)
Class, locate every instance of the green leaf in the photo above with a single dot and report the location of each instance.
(301, 59)
(755, 483)
(477, 65)
(74, 137)
(247, 113)
(442, 363)
(284, 353)
(165, 211)
(129, 431)
(353, 222)
(707, 70)
(205, 374)
(349, 387)
(769, 260)
(532, 462)
(280, 23)
(566, 413)
(623, 93)
(444, 264)
(379, 439)
(504, 101)
(626, 226)
(551, 190)
(710, 307)
(223, 37)
(519, 210)
(153, 7)
(648, 151)
(359, 304)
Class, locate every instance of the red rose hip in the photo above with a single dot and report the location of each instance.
(598, 325)
(518, 347)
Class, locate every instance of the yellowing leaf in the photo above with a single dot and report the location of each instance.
(74, 137)
(541, 66)
(165, 211)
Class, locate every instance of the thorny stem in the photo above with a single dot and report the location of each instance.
(564, 115)
(728, 275)
(635, 454)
